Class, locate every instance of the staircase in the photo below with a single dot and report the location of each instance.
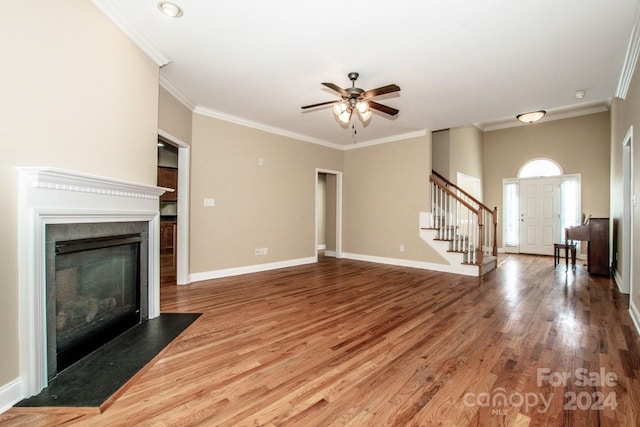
(461, 228)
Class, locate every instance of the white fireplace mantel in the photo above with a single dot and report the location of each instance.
(59, 179)
(56, 196)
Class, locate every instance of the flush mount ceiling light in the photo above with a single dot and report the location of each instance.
(354, 98)
(531, 117)
(170, 9)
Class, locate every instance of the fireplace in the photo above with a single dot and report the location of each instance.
(96, 281)
(89, 265)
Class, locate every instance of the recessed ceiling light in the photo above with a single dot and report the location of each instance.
(579, 94)
(170, 9)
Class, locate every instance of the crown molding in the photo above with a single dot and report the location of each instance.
(278, 131)
(630, 60)
(552, 114)
(175, 92)
(394, 138)
(261, 126)
(116, 16)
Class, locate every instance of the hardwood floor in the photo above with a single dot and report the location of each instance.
(352, 343)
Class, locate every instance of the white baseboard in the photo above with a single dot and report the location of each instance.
(467, 270)
(635, 316)
(228, 272)
(10, 394)
(617, 279)
(330, 253)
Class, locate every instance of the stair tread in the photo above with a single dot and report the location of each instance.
(485, 259)
(458, 244)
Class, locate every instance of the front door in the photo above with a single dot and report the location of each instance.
(539, 215)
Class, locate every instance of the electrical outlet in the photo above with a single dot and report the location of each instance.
(257, 251)
(209, 202)
(401, 248)
(265, 251)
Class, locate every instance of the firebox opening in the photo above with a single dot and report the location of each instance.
(94, 290)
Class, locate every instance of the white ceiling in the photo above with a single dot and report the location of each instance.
(458, 62)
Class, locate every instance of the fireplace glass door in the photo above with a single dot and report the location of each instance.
(97, 295)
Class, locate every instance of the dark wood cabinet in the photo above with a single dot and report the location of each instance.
(168, 178)
(168, 260)
(598, 246)
(167, 236)
(596, 233)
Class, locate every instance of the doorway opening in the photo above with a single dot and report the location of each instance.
(471, 185)
(168, 178)
(178, 230)
(328, 218)
(538, 205)
(627, 214)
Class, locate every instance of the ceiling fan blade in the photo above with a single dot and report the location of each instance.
(318, 104)
(383, 108)
(337, 89)
(381, 91)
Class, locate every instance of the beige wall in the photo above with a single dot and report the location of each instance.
(626, 113)
(270, 206)
(385, 189)
(173, 117)
(458, 150)
(440, 148)
(78, 95)
(578, 144)
(465, 152)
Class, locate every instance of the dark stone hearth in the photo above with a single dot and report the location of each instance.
(92, 380)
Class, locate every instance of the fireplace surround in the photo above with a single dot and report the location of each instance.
(50, 198)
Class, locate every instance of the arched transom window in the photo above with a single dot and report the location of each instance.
(539, 167)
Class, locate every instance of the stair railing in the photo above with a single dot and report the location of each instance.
(466, 222)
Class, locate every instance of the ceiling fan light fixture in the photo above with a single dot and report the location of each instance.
(345, 116)
(362, 106)
(531, 117)
(339, 108)
(355, 98)
(366, 115)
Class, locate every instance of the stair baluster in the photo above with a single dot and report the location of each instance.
(465, 222)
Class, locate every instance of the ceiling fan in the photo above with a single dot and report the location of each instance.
(354, 98)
